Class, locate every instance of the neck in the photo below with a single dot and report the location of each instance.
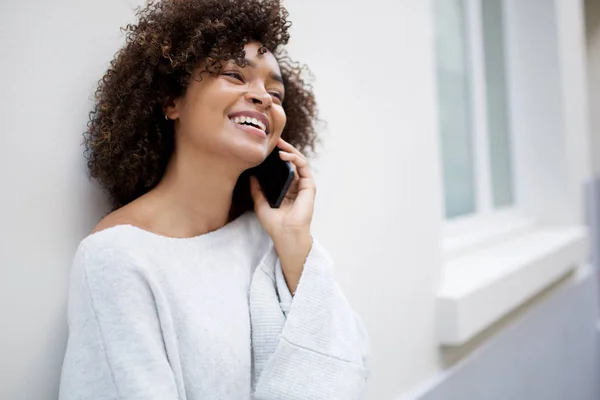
(195, 194)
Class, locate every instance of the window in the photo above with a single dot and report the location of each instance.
(473, 109)
(511, 86)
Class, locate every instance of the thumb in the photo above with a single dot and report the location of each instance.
(260, 201)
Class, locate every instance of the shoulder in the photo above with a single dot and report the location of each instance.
(109, 252)
(126, 215)
(111, 267)
(118, 236)
(114, 247)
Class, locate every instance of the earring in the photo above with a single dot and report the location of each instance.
(167, 118)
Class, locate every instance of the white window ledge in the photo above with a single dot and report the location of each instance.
(480, 288)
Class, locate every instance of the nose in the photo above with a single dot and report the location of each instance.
(259, 96)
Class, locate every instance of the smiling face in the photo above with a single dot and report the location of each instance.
(237, 115)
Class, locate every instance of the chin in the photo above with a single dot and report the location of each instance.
(252, 154)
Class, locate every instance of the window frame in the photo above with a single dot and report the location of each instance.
(496, 261)
(487, 224)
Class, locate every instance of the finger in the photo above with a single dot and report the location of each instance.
(283, 145)
(303, 179)
(290, 157)
(301, 164)
(260, 201)
(301, 168)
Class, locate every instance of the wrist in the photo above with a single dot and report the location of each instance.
(293, 252)
(293, 244)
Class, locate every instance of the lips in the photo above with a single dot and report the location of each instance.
(251, 119)
(251, 130)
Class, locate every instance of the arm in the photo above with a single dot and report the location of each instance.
(312, 346)
(115, 348)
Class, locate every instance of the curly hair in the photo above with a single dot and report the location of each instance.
(128, 142)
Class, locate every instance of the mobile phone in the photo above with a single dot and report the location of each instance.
(275, 177)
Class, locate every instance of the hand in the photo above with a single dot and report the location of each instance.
(289, 225)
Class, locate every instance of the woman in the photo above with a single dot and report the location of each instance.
(195, 288)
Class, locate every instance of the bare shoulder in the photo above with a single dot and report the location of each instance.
(137, 213)
(111, 220)
(126, 215)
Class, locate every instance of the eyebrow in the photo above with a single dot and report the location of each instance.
(273, 75)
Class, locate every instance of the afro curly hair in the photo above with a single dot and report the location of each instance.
(128, 142)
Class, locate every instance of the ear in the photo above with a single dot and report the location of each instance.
(171, 108)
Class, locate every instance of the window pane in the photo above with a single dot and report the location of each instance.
(497, 106)
(454, 107)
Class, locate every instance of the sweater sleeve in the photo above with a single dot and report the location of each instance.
(115, 348)
(311, 346)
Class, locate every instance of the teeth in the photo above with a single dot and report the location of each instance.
(248, 120)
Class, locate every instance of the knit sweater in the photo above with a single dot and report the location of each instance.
(207, 317)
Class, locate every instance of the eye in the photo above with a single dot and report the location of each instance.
(235, 75)
(277, 95)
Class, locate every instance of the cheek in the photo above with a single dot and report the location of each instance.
(279, 120)
(208, 100)
(202, 107)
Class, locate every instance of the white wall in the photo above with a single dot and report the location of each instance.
(574, 96)
(378, 205)
(592, 20)
(548, 106)
(53, 53)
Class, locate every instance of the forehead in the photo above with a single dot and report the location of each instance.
(265, 60)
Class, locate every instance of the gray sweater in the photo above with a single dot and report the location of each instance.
(208, 317)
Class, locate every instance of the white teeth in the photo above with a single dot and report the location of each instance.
(254, 121)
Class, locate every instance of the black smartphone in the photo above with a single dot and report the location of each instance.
(275, 177)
